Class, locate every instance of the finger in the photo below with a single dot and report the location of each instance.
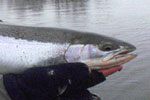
(110, 71)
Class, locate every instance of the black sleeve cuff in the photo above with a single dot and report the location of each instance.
(96, 78)
(81, 78)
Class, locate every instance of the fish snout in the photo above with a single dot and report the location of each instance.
(112, 60)
(129, 47)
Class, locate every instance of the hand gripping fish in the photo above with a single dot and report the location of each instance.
(22, 47)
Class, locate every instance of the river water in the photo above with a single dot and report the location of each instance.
(128, 20)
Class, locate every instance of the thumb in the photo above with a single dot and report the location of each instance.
(110, 71)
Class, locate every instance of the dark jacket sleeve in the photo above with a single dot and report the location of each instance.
(42, 83)
(81, 79)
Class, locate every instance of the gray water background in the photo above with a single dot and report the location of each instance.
(128, 20)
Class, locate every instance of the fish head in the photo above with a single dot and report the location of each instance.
(110, 44)
(101, 52)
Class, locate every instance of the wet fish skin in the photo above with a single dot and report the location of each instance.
(16, 55)
(49, 41)
(56, 35)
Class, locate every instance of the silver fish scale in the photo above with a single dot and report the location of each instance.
(22, 53)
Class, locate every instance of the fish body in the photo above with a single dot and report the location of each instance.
(17, 54)
(23, 47)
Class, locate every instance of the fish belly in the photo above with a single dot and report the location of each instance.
(16, 55)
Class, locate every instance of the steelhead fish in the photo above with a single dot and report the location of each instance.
(22, 47)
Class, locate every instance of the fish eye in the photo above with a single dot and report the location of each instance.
(108, 47)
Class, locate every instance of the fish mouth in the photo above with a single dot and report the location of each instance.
(93, 57)
(113, 59)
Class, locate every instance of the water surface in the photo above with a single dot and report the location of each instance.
(128, 20)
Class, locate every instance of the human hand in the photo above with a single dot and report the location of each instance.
(110, 71)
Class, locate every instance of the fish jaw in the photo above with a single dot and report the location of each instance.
(111, 60)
